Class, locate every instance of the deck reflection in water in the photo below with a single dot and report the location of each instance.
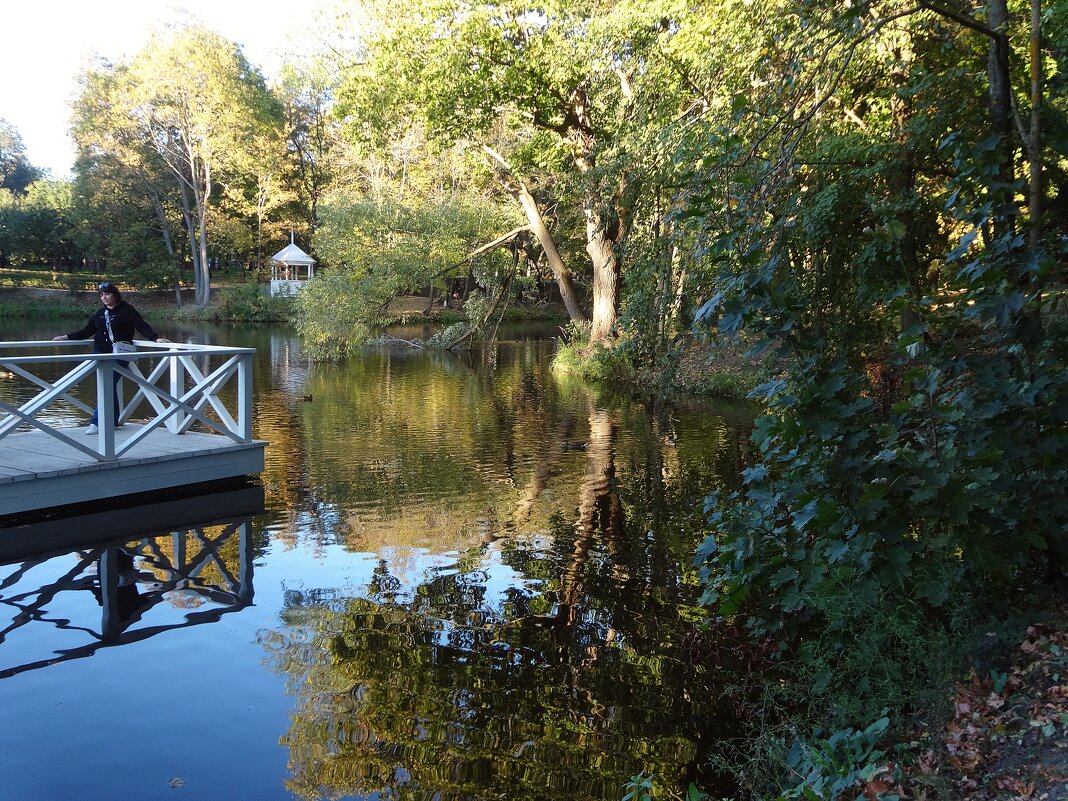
(68, 605)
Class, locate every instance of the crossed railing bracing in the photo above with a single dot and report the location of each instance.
(177, 382)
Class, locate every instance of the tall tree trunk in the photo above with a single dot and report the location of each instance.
(606, 278)
(997, 15)
(191, 231)
(606, 226)
(203, 274)
(201, 194)
(1029, 320)
(1034, 144)
(902, 181)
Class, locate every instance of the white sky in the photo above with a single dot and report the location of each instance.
(46, 43)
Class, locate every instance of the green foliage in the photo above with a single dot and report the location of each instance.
(922, 493)
(183, 142)
(828, 769)
(906, 478)
(250, 303)
(16, 171)
(48, 309)
(449, 336)
(379, 251)
(639, 788)
(38, 225)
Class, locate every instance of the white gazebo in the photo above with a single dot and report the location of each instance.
(286, 267)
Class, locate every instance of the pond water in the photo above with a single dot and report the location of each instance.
(470, 579)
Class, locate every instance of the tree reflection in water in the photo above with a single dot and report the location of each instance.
(559, 685)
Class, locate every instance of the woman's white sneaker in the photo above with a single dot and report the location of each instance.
(91, 429)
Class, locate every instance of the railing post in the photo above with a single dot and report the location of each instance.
(178, 546)
(244, 395)
(119, 392)
(244, 575)
(174, 423)
(108, 569)
(105, 407)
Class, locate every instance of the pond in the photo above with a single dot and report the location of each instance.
(470, 579)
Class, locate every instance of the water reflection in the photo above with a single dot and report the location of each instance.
(521, 632)
(474, 580)
(202, 572)
(472, 684)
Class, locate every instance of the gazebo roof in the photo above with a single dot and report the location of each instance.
(291, 254)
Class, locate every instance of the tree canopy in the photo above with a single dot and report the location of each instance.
(16, 171)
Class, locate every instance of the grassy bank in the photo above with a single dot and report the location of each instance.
(694, 368)
(32, 294)
(241, 303)
(19, 307)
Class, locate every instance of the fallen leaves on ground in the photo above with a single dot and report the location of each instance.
(1007, 740)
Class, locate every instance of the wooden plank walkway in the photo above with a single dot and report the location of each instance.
(38, 471)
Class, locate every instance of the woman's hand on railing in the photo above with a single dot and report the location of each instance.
(60, 338)
(163, 339)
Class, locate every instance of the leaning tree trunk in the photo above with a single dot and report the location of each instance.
(518, 189)
(560, 270)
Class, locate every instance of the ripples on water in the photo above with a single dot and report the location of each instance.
(472, 579)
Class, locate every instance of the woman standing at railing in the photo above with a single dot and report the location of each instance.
(112, 329)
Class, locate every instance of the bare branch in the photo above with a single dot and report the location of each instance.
(959, 17)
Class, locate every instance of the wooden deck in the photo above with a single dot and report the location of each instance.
(37, 471)
(199, 428)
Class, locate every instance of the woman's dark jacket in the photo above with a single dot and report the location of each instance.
(124, 319)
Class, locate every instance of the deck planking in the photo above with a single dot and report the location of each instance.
(38, 471)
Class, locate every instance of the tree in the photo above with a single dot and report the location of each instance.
(187, 105)
(39, 226)
(562, 77)
(16, 172)
(380, 249)
(884, 260)
(311, 134)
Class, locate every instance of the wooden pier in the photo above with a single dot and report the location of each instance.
(188, 421)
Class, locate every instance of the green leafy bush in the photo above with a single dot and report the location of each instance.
(827, 769)
(250, 303)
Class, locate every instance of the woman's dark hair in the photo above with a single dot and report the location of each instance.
(109, 287)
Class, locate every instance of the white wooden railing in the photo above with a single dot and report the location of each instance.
(176, 381)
